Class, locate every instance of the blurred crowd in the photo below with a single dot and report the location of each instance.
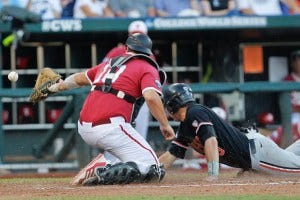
(51, 9)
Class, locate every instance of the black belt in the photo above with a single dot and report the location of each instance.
(119, 94)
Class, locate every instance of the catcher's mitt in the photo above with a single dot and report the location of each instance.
(46, 77)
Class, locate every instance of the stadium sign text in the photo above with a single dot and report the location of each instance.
(209, 22)
(62, 25)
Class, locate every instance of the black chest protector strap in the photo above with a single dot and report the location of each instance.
(115, 63)
(107, 87)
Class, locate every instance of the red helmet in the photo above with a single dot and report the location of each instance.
(52, 115)
(137, 26)
(26, 114)
(5, 116)
(265, 118)
(22, 62)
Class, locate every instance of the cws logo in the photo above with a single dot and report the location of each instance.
(62, 25)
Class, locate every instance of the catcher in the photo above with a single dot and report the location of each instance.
(203, 130)
(119, 86)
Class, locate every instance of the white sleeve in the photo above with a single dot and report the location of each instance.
(55, 4)
(243, 4)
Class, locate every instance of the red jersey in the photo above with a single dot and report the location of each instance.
(277, 134)
(114, 52)
(295, 96)
(134, 77)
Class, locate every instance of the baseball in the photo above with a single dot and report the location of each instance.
(13, 76)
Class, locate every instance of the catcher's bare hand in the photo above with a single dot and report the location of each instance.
(55, 87)
(167, 132)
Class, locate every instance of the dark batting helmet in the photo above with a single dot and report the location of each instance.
(139, 42)
(176, 96)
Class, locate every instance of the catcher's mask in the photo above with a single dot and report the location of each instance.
(139, 42)
(176, 96)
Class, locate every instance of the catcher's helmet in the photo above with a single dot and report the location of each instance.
(176, 96)
(140, 43)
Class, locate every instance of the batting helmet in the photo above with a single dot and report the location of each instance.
(176, 96)
(52, 115)
(140, 43)
(26, 114)
(5, 116)
(265, 118)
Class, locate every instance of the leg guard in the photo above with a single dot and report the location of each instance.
(155, 174)
(120, 173)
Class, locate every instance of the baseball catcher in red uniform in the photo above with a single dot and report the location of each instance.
(119, 85)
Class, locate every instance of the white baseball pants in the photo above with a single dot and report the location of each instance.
(268, 157)
(121, 140)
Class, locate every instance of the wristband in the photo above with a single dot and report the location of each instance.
(213, 168)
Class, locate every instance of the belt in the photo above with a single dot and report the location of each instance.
(99, 122)
(110, 120)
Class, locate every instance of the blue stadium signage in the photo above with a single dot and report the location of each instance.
(169, 23)
(209, 22)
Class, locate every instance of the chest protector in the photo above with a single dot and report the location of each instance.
(115, 64)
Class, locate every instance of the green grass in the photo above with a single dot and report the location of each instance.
(32, 180)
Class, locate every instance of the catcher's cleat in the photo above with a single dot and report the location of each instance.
(91, 181)
(156, 173)
(89, 170)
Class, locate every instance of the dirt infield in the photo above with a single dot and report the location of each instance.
(176, 183)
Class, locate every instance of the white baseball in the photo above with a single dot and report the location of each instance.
(13, 76)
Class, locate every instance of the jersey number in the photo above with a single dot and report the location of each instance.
(105, 73)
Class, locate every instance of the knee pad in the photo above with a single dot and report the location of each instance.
(120, 173)
(155, 174)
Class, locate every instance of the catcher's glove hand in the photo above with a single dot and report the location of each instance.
(46, 77)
